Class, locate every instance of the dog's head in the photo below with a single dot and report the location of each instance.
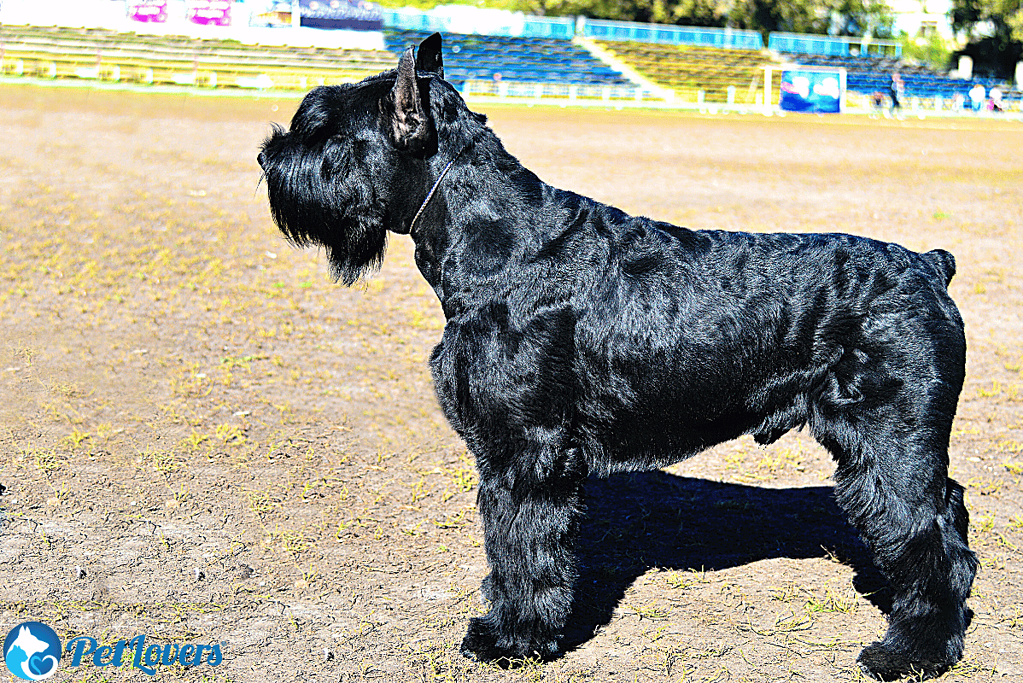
(354, 162)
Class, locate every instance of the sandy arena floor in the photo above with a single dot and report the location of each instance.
(204, 439)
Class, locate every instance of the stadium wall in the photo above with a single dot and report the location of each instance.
(113, 14)
(480, 21)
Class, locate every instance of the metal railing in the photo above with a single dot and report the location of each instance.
(556, 91)
(833, 46)
(673, 35)
(512, 24)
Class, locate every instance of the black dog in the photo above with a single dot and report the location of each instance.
(582, 340)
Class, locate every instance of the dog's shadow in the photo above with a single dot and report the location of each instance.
(638, 521)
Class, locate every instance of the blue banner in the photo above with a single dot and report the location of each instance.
(357, 15)
(817, 92)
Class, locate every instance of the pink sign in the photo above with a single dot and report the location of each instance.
(148, 10)
(210, 12)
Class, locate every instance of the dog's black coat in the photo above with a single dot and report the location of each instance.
(580, 340)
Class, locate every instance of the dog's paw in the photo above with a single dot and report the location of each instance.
(484, 643)
(881, 662)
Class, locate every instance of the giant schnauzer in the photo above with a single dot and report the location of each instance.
(581, 340)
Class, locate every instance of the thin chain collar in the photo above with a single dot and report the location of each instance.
(433, 190)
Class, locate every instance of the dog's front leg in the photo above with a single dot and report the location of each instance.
(508, 388)
(530, 514)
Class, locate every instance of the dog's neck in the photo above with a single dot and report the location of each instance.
(433, 190)
(503, 219)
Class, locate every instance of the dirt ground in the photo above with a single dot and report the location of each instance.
(204, 439)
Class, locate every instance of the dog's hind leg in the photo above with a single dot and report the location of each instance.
(890, 438)
(918, 537)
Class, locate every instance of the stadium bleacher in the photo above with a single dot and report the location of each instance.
(109, 55)
(529, 60)
(691, 69)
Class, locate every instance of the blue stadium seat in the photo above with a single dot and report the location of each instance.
(527, 60)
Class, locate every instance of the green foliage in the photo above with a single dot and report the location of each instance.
(932, 50)
(797, 16)
(859, 17)
(691, 12)
(1006, 17)
(837, 17)
(687, 12)
(995, 28)
(841, 17)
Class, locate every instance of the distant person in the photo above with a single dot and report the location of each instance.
(997, 105)
(977, 94)
(896, 91)
(876, 104)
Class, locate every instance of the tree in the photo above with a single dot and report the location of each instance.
(838, 17)
(689, 12)
(995, 31)
(793, 16)
(862, 17)
(1003, 18)
(822, 17)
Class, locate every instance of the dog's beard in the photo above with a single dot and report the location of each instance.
(313, 201)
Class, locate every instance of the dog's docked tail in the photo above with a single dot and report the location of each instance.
(943, 262)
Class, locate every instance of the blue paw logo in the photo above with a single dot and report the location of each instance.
(32, 651)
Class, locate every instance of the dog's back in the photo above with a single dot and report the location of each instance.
(683, 339)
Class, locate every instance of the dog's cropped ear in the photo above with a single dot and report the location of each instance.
(429, 58)
(410, 127)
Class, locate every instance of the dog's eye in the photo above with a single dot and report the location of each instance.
(335, 157)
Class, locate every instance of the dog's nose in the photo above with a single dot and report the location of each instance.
(260, 158)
